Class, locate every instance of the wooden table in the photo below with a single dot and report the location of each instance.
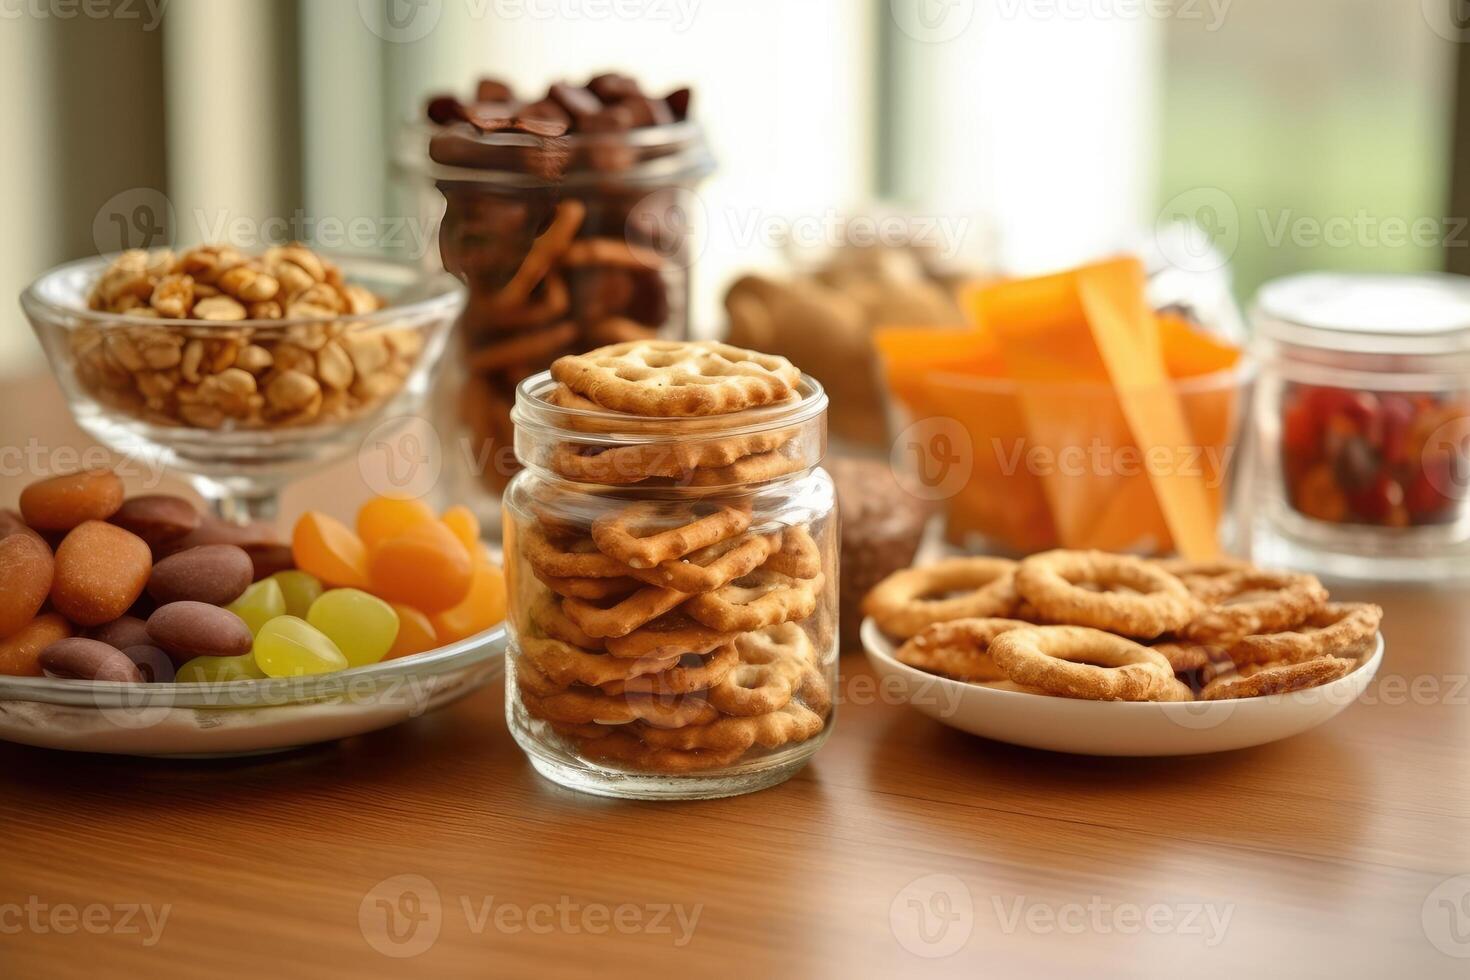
(1313, 857)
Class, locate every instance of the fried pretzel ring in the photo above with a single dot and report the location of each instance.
(792, 722)
(1206, 580)
(1184, 656)
(566, 665)
(748, 470)
(1336, 628)
(547, 616)
(588, 588)
(1291, 598)
(1079, 662)
(582, 706)
(798, 555)
(623, 616)
(1281, 679)
(714, 567)
(912, 599)
(628, 752)
(619, 533)
(687, 674)
(756, 601)
(774, 664)
(958, 649)
(1158, 603)
(669, 635)
(577, 559)
(625, 465)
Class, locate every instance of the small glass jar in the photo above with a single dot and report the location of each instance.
(673, 595)
(1362, 426)
(566, 244)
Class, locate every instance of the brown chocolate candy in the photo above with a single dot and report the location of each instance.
(157, 518)
(212, 573)
(185, 630)
(493, 90)
(123, 632)
(78, 658)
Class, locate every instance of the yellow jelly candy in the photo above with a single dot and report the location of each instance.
(260, 604)
(219, 670)
(291, 647)
(301, 589)
(363, 626)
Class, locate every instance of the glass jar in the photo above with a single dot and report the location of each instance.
(673, 622)
(1362, 426)
(566, 244)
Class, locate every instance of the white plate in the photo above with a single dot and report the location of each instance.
(1114, 727)
(243, 717)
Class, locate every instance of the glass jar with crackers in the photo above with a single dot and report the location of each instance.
(671, 555)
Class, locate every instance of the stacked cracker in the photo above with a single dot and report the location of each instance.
(1089, 624)
(665, 635)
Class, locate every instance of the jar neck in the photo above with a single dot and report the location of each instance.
(563, 438)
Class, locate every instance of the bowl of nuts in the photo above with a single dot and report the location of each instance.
(239, 369)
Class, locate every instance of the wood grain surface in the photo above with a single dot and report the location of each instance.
(1315, 857)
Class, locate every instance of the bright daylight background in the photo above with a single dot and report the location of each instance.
(1045, 130)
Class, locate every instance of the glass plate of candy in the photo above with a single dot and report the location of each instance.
(140, 626)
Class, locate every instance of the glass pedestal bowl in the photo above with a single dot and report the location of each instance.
(242, 407)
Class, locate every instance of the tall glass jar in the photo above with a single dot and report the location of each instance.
(673, 595)
(1361, 466)
(566, 244)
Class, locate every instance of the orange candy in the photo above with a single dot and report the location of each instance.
(462, 521)
(100, 571)
(416, 634)
(26, 573)
(425, 567)
(329, 549)
(385, 517)
(20, 655)
(63, 502)
(481, 609)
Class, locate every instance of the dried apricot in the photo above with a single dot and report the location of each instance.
(425, 567)
(385, 517)
(330, 550)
